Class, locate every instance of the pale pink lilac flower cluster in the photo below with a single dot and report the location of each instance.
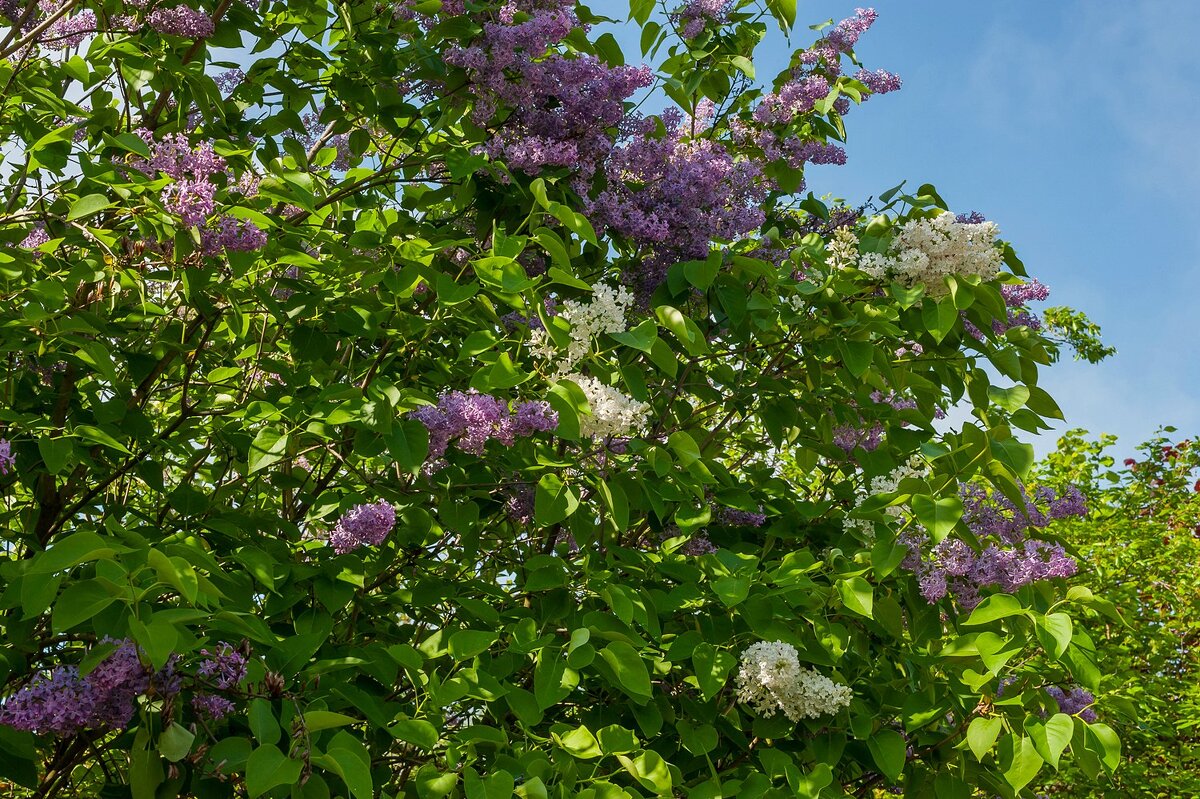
(1009, 560)
(547, 109)
(674, 194)
(363, 525)
(181, 21)
(470, 419)
(64, 703)
(1074, 702)
(696, 15)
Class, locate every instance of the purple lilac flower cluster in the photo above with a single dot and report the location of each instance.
(224, 667)
(1016, 296)
(695, 16)
(68, 30)
(879, 81)
(64, 703)
(971, 218)
(470, 420)
(363, 525)
(839, 41)
(181, 21)
(193, 194)
(519, 505)
(741, 518)
(850, 436)
(674, 194)
(1074, 702)
(8, 461)
(1008, 560)
(896, 401)
(557, 111)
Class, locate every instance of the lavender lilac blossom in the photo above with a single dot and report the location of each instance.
(8, 461)
(363, 525)
(64, 703)
(470, 419)
(181, 21)
(849, 436)
(1074, 702)
(225, 667)
(673, 194)
(557, 111)
(695, 16)
(1008, 560)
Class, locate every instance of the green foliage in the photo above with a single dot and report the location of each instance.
(188, 426)
(1139, 543)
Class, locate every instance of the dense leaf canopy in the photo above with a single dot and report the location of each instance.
(394, 406)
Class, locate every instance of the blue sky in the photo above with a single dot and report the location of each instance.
(1074, 125)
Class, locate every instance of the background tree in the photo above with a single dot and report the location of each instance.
(412, 414)
(1141, 536)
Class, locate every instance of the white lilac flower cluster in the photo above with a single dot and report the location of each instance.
(771, 679)
(613, 413)
(888, 483)
(927, 250)
(604, 314)
(842, 251)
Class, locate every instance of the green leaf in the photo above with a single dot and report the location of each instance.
(87, 205)
(1020, 761)
(1103, 740)
(887, 750)
(996, 606)
(553, 500)
(466, 644)
(938, 516)
(712, 667)
(1010, 399)
(56, 452)
(1058, 730)
(629, 668)
(982, 734)
(650, 770)
(857, 595)
(784, 12)
(1054, 632)
(417, 732)
(175, 742)
(267, 767)
(939, 317)
(317, 720)
(580, 743)
(80, 602)
(352, 763)
(268, 448)
(262, 721)
(732, 589)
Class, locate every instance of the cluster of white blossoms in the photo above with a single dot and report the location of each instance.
(842, 251)
(604, 314)
(927, 250)
(771, 679)
(888, 483)
(613, 413)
